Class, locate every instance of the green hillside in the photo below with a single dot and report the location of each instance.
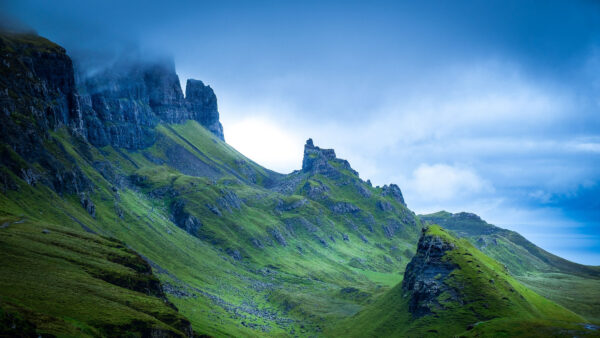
(451, 288)
(572, 285)
(59, 281)
(124, 213)
(212, 237)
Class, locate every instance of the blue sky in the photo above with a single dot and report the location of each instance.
(491, 107)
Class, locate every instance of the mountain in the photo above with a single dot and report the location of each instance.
(575, 286)
(452, 289)
(124, 212)
(239, 249)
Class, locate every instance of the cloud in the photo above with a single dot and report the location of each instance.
(266, 142)
(445, 182)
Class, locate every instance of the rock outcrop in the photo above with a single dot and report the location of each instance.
(37, 95)
(393, 191)
(123, 104)
(323, 161)
(202, 105)
(425, 274)
(119, 107)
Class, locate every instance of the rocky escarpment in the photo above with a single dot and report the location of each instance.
(202, 105)
(123, 104)
(323, 161)
(394, 191)
(37, 94)
(118, 107)
(425, 275)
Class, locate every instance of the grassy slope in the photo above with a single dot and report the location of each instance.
(572, 285)
(65, 289)
(273, 289)
(502, 307)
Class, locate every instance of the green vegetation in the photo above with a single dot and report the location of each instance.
(480, 298)
(572, 285)
(267, 263)
(65, 282)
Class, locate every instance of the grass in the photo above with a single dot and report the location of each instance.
(572, 285)
(78, 284)
(494, 306)
(274, 289)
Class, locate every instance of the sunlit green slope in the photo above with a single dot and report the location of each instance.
(572, 285)
(451, 288)
(240, 250)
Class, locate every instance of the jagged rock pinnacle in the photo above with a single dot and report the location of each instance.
(320, 161)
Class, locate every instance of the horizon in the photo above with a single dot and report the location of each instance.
(494, 113)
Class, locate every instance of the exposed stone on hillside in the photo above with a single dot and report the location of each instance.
(289, 206)
(202, 104)
(184, 219)
(229, 200)
(123, 104)
(425, 274)
(37, 95)
(393, 191)
(87, 204)
(344, 208)
(315, 192)
(385, 206)
(277, 236)
(323, 161)
(118, 107)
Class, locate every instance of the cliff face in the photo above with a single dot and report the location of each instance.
(202, 105)
(37, 94)
(118, 107)
(425, 275)
(123, 105)
(323, 161)
(37, 89)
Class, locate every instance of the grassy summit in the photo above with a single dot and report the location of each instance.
(451, 288)
(574, 286)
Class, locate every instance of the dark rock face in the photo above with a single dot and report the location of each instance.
(425, 274)
(202, 104)
(277, 236)
(385, 206)
(393, 191)
(344, 208)
(323, 161)
(37, 80)
(183, 219)
(37, 95)
(87, 204)
(289, 206)
(315, 192)
(229, 201)
(119, 107)
(125, 103)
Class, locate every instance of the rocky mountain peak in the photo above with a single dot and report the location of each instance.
(394, 191)
(124, 103)
(323, 161)
(202, 104)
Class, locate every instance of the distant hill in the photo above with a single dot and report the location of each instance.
(452, 289)
(573, 285)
